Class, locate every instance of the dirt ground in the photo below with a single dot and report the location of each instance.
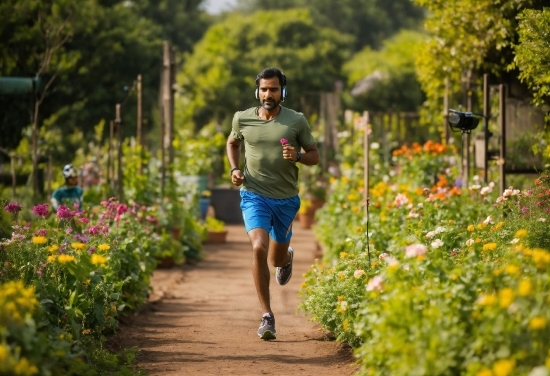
(202, 319)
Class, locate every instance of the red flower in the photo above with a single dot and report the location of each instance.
(284, 141)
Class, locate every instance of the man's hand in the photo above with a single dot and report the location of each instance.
(237, 178)
(289, 152)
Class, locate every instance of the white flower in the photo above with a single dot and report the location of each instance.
(406, 267)
(375, 146)
(358, 273)
(420, 205)
(501, 198)
(475, 186)
(491, 185)
(375, 284)
(393, 173)
(415, 250)
(344, 305)
(437, 243)
(412, 214)
(515, 192)
(475, 178)
(439, 230)
(430, 234)
(541, 219)
(469, 242)
(514, 241)
(383, 256)
(539, 371)
(488, 220)
(485, 190)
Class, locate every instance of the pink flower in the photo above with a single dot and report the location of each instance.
(13, 207)
(40, 210)
(415, 250)
(375, 284)
(41, 232)
(284, 141)
(94, 230)
(383, 256)
(63, 212)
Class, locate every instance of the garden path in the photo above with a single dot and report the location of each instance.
(202, 319)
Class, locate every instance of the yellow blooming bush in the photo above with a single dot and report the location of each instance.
(457, 280)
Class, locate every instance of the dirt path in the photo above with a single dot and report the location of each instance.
(203, 319)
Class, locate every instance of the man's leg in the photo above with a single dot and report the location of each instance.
(260, 269)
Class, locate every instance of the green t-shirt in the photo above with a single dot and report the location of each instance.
(266, 172)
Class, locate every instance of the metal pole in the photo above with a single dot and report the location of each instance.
(502, 125)
(486, 114)
(110, 155)
(13, 175)
(139, 113)
(446, 111)
(366, 148)
(118, 122)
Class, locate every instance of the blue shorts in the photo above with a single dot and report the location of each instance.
(272, 214)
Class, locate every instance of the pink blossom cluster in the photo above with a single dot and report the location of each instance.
(40, 210)
(13, 207)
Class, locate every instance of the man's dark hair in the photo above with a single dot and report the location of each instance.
(269, 73)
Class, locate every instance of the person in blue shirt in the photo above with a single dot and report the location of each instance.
(69, 194)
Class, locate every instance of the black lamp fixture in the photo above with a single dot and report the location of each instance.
(464, 122)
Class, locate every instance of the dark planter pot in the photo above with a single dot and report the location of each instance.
(226, 203)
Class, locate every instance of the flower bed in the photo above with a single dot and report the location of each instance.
(66, 279)
(440, 280)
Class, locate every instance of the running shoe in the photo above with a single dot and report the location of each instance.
(283, 273)
(266, 331)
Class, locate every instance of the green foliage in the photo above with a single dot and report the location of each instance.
(533, 53)
(369, 21)
(215, 225)
(468, 37)
(218, 77)
(398, 89)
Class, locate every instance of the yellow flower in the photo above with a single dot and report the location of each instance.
(341, 275)
(521, 233)
(78, 245)
(506, 297)
(340, 298)
(481, 226)
(51, 258)
(503, 367)
(537, 323)
(355, 209)
(485, 372)
(490, 246)
(39, 239)
(471, 228)
(104, 247)
(98, 259)
(511, 269)
(487, 300)
(499, 225)
(525, 287)
(3, 352)
(541, 258)
(65, 258)
(345, 324)
(343, 255)
(358, 229)
(52, 248)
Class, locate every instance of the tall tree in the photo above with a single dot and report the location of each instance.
(369, 21)
(385, 79)
(467, 38)
(218, 77)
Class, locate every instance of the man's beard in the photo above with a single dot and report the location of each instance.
(271, 105)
